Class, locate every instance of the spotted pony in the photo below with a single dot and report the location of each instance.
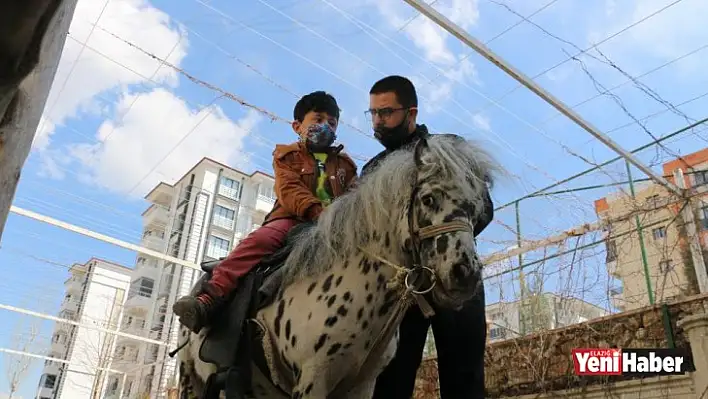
(406, 230)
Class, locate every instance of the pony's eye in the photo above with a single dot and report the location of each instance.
(428, 200)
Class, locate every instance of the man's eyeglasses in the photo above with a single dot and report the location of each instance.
(383, 113)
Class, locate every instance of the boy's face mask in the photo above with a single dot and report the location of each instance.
(319, 136)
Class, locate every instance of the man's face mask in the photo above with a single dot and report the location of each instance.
(319, 136)
(392, 137)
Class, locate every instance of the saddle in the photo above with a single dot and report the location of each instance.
(232, 344)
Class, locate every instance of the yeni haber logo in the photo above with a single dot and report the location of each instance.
(644, 362)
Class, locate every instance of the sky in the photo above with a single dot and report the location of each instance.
(118, 121)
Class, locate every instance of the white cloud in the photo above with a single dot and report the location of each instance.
(131, 140)
(424, 33)
(152, 130)
(482, 122)
(134, 20)
(434, 42)
(439, 91)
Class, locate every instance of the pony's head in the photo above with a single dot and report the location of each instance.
(418, 207)
(447, 200)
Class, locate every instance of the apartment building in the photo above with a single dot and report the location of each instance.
(504, 319)
(95, 293)
(200, 217)
(659, 258)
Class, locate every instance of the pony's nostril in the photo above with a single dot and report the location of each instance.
(461, 272)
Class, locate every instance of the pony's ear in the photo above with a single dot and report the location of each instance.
(420, 147)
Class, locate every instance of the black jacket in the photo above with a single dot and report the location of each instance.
(420, 132)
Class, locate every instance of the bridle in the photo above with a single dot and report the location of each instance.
(412, 288)
(419, 234)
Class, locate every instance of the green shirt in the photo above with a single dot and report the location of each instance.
(321, 190)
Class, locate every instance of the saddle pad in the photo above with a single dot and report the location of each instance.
(222, 340)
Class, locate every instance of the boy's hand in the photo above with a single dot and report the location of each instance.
(314, 212)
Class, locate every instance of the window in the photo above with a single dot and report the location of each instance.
(611, 251)
(224, 217)
(700, 177)
(229, 188)
(218, 247)
(50, 381)
(704, 217)
(652, 201)
(497, 333)
(185, 193)
(665, 266)
(113, 387)
(59, 338)
(142, 286)
(128, 388)
(155, 351)
(265, 192)
(67, 314)
(659, 232)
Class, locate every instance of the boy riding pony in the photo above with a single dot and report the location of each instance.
(309, 174)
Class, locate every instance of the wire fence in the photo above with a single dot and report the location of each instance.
(644, 249)
(110, 312)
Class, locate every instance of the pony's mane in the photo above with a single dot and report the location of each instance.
(372, 209)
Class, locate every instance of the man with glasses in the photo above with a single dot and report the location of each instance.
(460, 336)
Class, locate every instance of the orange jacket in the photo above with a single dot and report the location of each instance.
(296, 180)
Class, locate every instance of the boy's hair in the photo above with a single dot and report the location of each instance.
(402, 87)
(318, 101)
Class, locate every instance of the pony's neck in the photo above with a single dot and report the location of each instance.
(387, 246)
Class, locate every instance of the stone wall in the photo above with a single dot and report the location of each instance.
(541, 363)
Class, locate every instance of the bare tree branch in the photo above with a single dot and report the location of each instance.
(16, 366)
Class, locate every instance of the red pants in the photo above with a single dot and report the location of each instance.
(262, 242)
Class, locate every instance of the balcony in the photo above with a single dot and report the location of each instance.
(152, 273)
(45, 392)
(156, 217)
(154, 240)
(228, 192)
(137, 327)
(52, 367)
(161, 194)
(70, 305)
(74, 284)
(264, 203)
(139, 302)
(223, 223)
(127, 351)
(59, 346)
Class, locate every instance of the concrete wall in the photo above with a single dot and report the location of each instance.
(32, 36)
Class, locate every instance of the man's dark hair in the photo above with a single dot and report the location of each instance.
(318, 101)
(402, 87)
